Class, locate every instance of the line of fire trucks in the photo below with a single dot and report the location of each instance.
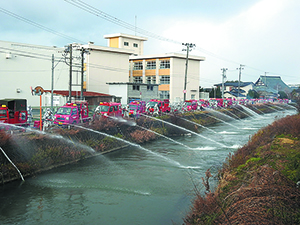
(14, 111)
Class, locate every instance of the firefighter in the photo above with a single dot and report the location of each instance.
(47, 119)
(29, 112)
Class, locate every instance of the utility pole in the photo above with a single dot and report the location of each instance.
(223, 78)
(82, 72)
(188, 46)
(71, 70)
(83, 51)
(52, 81)
(240, 74)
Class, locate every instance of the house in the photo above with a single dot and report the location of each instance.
(270, 86)
(236, 89)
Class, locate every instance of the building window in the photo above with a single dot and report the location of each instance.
(151, 80)
(137, 80)
(151, 65)
(164, 95)
(126, 43)
(165, 64)
(193, 96)
(136, 87)
(138, 66)
(164, 80)
(149, 88)
(135, 45)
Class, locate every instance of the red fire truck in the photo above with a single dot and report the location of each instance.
(136, 108)
(190, 105)
(156, 107)
(72, 113)
(108, 109)
(14, 111)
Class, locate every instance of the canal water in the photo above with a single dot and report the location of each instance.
(150, 185)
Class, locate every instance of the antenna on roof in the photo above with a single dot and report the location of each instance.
(135, 25)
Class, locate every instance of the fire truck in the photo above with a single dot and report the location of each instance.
(72, 113)
(156, 107)
(108, 109)
(190, 105)
(14, 111)
(136, 108)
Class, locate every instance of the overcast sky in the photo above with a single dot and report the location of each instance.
(263, 35)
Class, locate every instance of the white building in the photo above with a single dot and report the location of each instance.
(25, 66)
(168, 70)
(105, 65)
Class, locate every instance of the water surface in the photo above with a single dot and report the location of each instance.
(129, 186)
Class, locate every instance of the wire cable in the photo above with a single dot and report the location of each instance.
(39, 25)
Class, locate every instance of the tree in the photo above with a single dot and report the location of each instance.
(215, 93)
(201, 89)
(252, 94)
(282, 95)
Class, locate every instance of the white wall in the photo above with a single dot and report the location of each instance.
(119, 90)
(30, 66)
(106, 65)
(177, 79)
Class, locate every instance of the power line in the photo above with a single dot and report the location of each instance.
(39, 25)
(92, 10)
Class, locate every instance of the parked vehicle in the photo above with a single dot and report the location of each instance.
(190, 105)
(156, 107)
(72, 113)
(108, 109)
(136, 108)
(14, 111)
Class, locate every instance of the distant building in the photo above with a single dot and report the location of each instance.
(294, 86)
(232, 90)
(270, 86)
(127, 92)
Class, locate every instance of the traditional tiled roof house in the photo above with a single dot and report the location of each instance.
(269, 86)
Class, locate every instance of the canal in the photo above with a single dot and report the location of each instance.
(150, 185)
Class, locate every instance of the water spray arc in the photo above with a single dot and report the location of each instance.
(132, 144)
(199, 125)
(220, 113)
(186, 130)
(237, 108)
(222, 121)
(164, 136)
(12, 164)
(249, 110)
